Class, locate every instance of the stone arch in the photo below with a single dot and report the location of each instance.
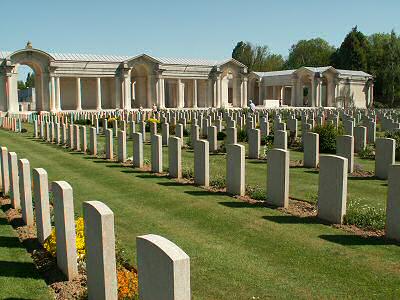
(229, 92)
(39, 62)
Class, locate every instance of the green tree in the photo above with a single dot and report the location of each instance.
(21, 85)
(312, 53)
(353, 52)
(256, 57)
(30, 80)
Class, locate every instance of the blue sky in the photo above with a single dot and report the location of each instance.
(193, 29)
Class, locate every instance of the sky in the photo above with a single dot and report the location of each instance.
(190, 29)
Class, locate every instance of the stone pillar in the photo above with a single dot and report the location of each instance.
(360, 138)
(5, 179)
(194, 93)
(385, 153)
(137, 150)
(156, 154)
(392, 227)
(332, 191)
(163, 269)
(313, 96)
(93, 141)
(58, 95)
(201, 163)
(25, 186)
(165, 133)
(311, 149)
(278, 177)
(98, 93)
(345, 148)
(179, 101)
(280, 139)
(235, 169)
(175, 157)
(109, 144)
(14, 180)
(42, 206)
(293, 93)
(127, 90)
(53, 94)
(65, 228)
(100, 251)
(121, 146)
(78, 105)
(212, 138)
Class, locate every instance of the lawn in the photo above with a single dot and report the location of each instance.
(19, 278)
(237, 250)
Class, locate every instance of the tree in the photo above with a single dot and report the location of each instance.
(30, 80)
(21, 85)
(353, 52)
(311, 53)
(257, 58)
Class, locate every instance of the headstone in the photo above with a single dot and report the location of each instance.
(121, 146)
(25, 186)
(280, 139)
(137, 150)
(311, 150)
(5, 173)
(392, 227)
(254, 143)
(385, 152)
(100, 251)
(212, 138)
(109, 144)
(201, 163)
(93, 141)
(163, 269)
(235, 169)
(156, 153)
(14, 180)
(165, 133)
(175, 157)
(360, 138)
(345, 148)
(278, 177)
(65, 228)
(332, 191)
(231, 135)
(42, 206)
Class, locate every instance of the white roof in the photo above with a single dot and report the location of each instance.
(188, 61)
(275, 73)
(315, 70)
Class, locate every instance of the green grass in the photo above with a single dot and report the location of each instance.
(237, 250)
(18, 277)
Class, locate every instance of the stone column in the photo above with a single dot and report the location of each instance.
(42, 206)
(163, 269)
(274, 92)
(14, 180)
(175, 157)
(58, 95)
(194, 93)
(293, 93)
(156, 154)
(25, 186)
(137, 150)
(53, 94)
(278, 177)
(385, 153)
(313, 96)
(65, 228)
(311, 149)
(78, 105)
(235, 169)
(98, 93)
(127, 90)
(201, 163)
(218, 91)
(100, 251)
(117, 91)
(179, 101)
(392, 227)
(332, 191)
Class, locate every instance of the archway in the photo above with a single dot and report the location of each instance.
(139, 81)
(39, 62)
(26, 88)
(227, 88)
(306, 92)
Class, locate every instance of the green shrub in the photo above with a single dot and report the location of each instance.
(186, 132)
(268, 141)
(221, 135)
(367, 153)
(394, 134)
(242, 135)
(187, 172)
(327, 137)
(218, 181)
(364, 216)
(256, 192)
(146, 162)
(82, 122)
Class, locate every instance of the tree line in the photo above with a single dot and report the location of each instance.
(29, 82)
(377, 54)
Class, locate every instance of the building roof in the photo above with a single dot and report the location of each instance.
(315, 70)
(275, 73)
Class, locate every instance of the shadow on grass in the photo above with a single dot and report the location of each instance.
(172, 183)
(253, 161)
(205, 193)
(148, 176)
(18, 269)
(356, 240)
(363, 178)
(241, 204)
(310, 171)
(293, 219)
